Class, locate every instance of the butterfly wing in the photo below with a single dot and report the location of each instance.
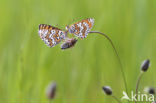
(81, 28)
(51, 35)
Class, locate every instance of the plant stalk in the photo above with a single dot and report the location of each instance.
(121, 67)
(116, 99)
(137, 84)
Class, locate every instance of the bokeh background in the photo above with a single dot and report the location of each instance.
(27, 65)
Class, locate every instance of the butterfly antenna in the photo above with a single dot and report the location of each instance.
(123, 74)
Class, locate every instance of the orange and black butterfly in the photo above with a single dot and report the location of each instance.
(81, 28)
(51, 35)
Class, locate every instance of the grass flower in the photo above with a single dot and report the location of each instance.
(144, 68)
(108, 91)
(51, 91)
(150, 90)
(145, 65)
(69, 43)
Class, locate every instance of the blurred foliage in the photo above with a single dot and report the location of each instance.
(27, 65)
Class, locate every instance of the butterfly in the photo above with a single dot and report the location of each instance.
(81, 28)
(51, 35)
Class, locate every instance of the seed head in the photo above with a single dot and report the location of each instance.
(51, 90)
(145, 65)
(150, 90)
(107, 90)
(68, 43)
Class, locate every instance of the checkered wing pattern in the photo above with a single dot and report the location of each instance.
(81, 28)
(51, 35)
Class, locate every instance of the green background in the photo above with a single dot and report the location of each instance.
(27, 65)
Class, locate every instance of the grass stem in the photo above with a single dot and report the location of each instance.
(137, 84)
(49, 101)
(123, 74)
(116, 99)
